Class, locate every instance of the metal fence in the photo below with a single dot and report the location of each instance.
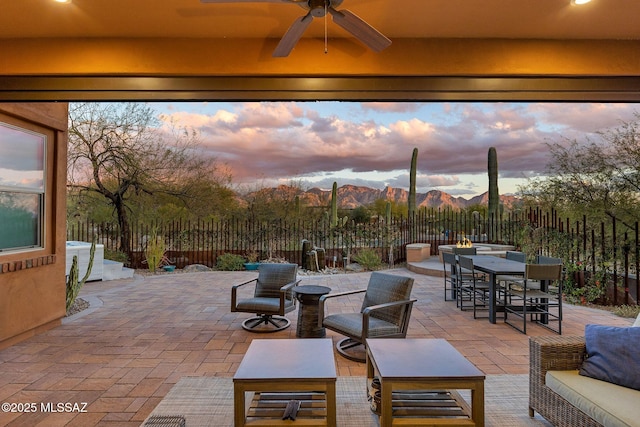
(590, 247)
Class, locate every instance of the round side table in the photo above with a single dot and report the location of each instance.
(309, 298)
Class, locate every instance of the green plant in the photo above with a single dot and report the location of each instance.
(583, 287)
(630, 311)
(73, 284)
(368, 258)
(115, 255)
(596, 285)
(252, 256)
(155, 252)
(230, 262)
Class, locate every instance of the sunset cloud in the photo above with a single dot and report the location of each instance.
(371, 143)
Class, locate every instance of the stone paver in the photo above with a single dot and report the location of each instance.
(142, 335)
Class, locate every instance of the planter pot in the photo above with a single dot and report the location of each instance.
(169, 267)
(251, 265)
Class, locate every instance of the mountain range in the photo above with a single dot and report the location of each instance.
(352, 196)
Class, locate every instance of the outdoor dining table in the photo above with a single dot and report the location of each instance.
(494, 266)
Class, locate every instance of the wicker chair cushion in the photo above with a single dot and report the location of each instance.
(262, 305)
(612, 355)
(271, 277)
(606, 403)
(384, 288)
(351, 324)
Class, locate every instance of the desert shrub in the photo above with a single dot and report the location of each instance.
(230, 262)
(154, 252)
(583, 287)
(115, 255)
(368, 258)
(627, 310)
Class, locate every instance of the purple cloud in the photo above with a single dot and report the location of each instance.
(281, 140)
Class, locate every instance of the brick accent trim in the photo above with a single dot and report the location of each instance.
(9, 267)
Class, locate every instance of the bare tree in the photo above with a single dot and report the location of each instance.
(119, 151)
(599, 175)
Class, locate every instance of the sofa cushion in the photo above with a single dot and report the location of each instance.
(608, 404)
(612, 355)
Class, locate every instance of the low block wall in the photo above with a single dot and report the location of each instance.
(417, 252)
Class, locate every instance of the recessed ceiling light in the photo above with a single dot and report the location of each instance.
(62, 1)
(580, 1)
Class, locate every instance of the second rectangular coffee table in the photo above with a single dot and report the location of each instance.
(283, 370)
(420, 377)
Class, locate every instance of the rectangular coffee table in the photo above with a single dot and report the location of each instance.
(280, 370)
(419, 379)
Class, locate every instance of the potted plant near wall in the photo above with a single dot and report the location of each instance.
(252, 260)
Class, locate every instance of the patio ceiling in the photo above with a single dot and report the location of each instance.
(183, 49)
(509, 19)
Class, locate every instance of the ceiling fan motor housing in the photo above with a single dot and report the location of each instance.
(318, 8)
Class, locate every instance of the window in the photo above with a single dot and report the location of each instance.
(22, 188)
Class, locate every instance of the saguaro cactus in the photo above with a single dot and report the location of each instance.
(412, 183)
(494, 196)
(73, 283)
(334, 205)
(389, 233)
(387, 214)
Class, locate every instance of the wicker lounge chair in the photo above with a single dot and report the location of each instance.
(555, 353)
(554, 381)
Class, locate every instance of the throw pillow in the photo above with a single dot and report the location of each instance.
(612, 355)
(637, 322)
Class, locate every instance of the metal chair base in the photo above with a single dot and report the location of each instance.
(348, 343)
(269, 323)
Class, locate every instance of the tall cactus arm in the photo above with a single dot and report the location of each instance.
(494, 196)
(412, 182)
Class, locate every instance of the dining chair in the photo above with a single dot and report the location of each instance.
(516, 256)
(466, 251)
(473, 288)
(543, 259)
(449, 265)
(529, 298)
(512, 256)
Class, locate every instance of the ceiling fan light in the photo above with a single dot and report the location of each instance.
(62, 1)
(579, 2)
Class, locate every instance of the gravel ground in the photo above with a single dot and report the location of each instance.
(78, 305)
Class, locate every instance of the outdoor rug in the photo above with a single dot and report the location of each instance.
(208, 401)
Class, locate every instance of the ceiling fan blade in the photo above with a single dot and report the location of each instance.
(292, 36)
(364, 32)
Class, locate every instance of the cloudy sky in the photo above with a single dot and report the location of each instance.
(21, 158)
(370, 144)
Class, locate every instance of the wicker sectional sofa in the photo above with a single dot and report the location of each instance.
(564, 398)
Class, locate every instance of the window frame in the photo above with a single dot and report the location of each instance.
(38, 191)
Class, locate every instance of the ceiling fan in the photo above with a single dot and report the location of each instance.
(352, 23)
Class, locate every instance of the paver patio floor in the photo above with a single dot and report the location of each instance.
(142, 335)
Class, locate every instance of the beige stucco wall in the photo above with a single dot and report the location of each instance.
(32, 283)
